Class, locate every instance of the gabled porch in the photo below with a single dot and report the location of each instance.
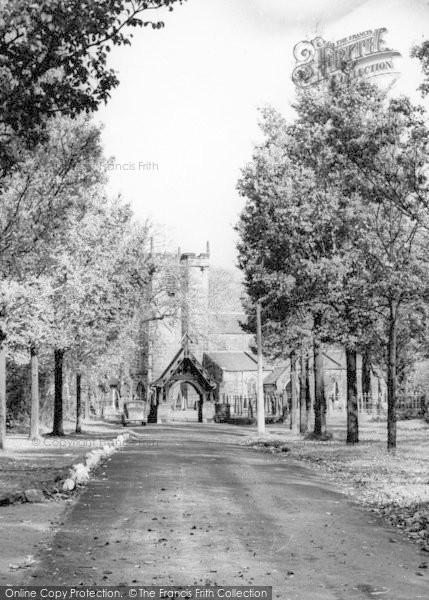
(185, 391)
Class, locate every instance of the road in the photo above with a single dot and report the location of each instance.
(187, 505)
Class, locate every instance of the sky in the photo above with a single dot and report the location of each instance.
(184, 119)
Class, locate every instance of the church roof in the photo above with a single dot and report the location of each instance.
(335, 358)
(234, 361)
(276, 374)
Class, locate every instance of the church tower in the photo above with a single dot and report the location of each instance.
(195, 270)
(190, 275)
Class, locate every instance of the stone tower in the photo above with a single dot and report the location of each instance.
(191, 274)
(195, 271)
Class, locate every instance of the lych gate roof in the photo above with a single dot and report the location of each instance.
(185, 367)
(234, 361)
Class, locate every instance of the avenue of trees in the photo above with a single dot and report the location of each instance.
(334, 236)
(75, 268)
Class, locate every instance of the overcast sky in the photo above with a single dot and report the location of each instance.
(186, 108)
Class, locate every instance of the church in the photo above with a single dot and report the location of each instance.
(202, 356)
(199, 358)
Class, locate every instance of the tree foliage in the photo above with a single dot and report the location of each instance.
(335, 222)
(54, 60)
(75, 270)
(51, 186)
(421, 52)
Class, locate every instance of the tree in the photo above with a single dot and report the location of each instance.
(49, 187)
(294, 396)
(397, 281)
(48, 190)
(381, 144)
(290, 224)
(113, 291)
(24, 317)
(337, 213)
(92, 280)
(225, 291)
(29, 313)
(336, 271)
(104, 296)
(303, 393)
(53, 60)
(421, 51)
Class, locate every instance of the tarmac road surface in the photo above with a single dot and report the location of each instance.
(187, 505)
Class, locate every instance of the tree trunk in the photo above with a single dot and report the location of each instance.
(366, 374)
(319, 391)
(260, 405)
(308, 403)
(88, 397)
(58, 399)
(35, 398)
(294, 396)
(66, 393)
(78, 403)
(2, 392)
(391, 382)
(352, 400)
(200, 410)
(303, 424)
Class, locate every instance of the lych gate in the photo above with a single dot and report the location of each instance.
(170, 392)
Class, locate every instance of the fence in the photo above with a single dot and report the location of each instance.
(245, 406)
(374, 406)
(406, 406)
(278, 405)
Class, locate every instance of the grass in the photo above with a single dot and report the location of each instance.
(43, 463)
(394, 484)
